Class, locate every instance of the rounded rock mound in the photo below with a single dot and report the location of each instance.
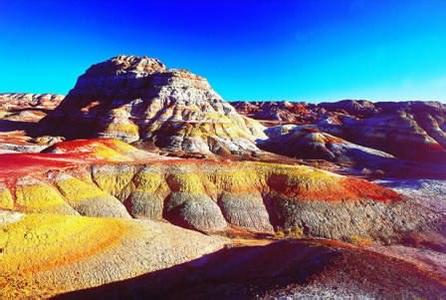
(139, 99)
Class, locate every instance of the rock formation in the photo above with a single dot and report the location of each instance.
(19, 114)
(98, 211)
(273, 113)
(15, 102)
(46, 254)
(138, 99)
(411, 131)
(108, 178)
(219, 216)
(307, 141)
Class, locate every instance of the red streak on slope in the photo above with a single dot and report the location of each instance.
(346, 189)
(436, 147)
(15, 166)
(81, 145)
(80, 152)
(366, 190)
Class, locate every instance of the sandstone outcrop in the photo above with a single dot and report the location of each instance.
(139, 99)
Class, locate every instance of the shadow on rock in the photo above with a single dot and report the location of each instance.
(240, 272)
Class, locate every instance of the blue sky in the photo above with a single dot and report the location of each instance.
(261, 50)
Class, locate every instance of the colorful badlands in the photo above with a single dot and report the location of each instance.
(209, 202)
(100, 210)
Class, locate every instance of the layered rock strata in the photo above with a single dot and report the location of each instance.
(210, 196)
(413, 130)
(308, 142)
(19, 114)
(139, 99)
(43, 255)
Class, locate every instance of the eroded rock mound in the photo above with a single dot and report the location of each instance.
(45, 254)
(14, 102)
(409, 130)
(413, 130)
(279, 112)
(307, 141)
(138, 99)
(19, 114)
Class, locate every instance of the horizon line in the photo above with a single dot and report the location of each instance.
(278, 99)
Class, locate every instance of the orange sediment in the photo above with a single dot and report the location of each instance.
(63, 155)
(301, 183)
(37, 243)
(367, 190)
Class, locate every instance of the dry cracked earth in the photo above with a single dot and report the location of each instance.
(143, 182)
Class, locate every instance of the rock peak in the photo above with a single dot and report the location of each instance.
(123, 64)
(136, 98)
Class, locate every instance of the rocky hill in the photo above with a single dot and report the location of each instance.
(413, 130)
(140, 99)
(17, 101)
(100, 211)
(19, 114)
(108, 178)
(144, 183)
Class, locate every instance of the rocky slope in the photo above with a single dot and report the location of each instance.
(139, 99)
(408, 130)
(129, 200)
(19, 113)
(48, 245)
(308, 142)
(106, 178)
(384, 139)
(125, 220)
(43, 255)
(304, 269)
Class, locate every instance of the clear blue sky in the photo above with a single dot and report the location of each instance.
(297, 50)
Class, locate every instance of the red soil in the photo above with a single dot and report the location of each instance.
(15, 166)
(79, 152)
(346, 189)
(363, 189)
(81, 145)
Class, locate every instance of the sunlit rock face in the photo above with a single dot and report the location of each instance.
(95, 212)
(13, 102)
(109, 178)
(99, 211)
(139, 99)
(413, 130)
(19, 114)
(47, 254)
(309, 142)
